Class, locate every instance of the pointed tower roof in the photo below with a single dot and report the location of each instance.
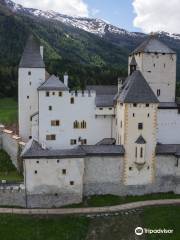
(153, 45)
(31, 57)
(140, 140)
(133, 62)
(137, 90)
(53, 83)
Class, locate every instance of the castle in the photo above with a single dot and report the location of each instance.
(121, 140)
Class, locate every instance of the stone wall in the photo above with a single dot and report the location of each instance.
(13, 145)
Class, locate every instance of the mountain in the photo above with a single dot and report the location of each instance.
(91, 50)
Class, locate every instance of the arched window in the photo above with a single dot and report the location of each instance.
(141, 153)
(76, 124)
(83, 124)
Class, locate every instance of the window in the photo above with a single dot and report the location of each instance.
(29, 73)
(60, 94)
(71, 183)
(135, 105)
(121, 124)
(154, 64)
(47, 94)
(101, 109)
(148, 115)
(30, 137)
(164, 65)
(55, 123)
(83, 142)
(83, 125)
(141, 153)
(30, 83)
(50, 108)
(51, 137)
(73, 142)
(27, 97)
(133, 114)
(35, 171)
(37, 161)
(64, 171)
(130, 168)
(110, 108)
(76, 124)
(72, 100)
(140, 126)
(147, 105)
(158, 92)
(58, 161)
(136, 152)
(53, 93)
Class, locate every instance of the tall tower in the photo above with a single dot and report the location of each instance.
(136, 127)
(31, 76)
(157, 63)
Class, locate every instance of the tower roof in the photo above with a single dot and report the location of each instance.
(140, 140)
(53, 83)
(31, 57)
(137, 90)
(133, 62)
(153, 45)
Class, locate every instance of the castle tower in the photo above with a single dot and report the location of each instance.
(31, 76)
(136, 127)
(157, 63)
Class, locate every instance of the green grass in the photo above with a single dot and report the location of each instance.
(17, 227)
(111, 200)
(8, 111)
(7, 169)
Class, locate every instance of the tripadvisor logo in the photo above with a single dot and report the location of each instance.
(140, 231)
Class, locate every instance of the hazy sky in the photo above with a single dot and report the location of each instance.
(133, 15)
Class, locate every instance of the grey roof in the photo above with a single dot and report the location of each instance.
(153, 45)
(133, 62)
(168, 105)
(103, 89)
(34, 150)
(53, 83)
(31, 57)
(103, 150)
(107, 141)
(104, 101)
(137, 90)
(140, 140)
(168, 149)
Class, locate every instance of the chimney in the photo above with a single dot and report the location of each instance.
(66, 79)
(120, 84)
(41, 51)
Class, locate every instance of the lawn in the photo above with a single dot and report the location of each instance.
(8, 111)
(111, 200)
(121, 227)
(7, 169)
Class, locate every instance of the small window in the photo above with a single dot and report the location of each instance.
(30, 83)
(76, 124)
(158, 92)
(121, 124)
(27, 97)
(154, 65)
(133, 114)
(72, 100)
(37, 162)
(148, 115)
(71, 183)
(130, 168)
(29, 73)
(53, 93)
(51, 137)
(140, 126)
(135, 105)
(35, 171)
(164, 65)
(55, 123)
(83, 141)
(50, 108)
(47, 94)
(147, 105)
(30, 137)
(60, 94)
(83, 125)
(101, 109)
(64, 171)
(58, 161)
(73, 142)
(141, 153)
(110, 108)
(136, 152)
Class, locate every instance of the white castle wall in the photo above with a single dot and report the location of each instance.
(159, 71)
(168, 125)
(28, 97)
(83, 109)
